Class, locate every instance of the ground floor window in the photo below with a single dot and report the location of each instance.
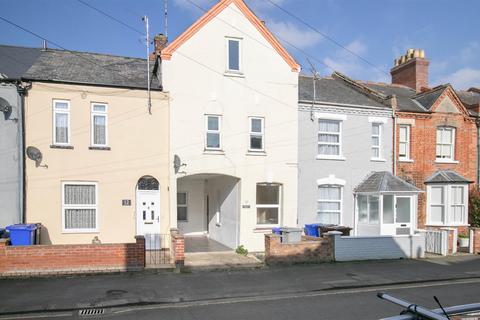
(368, 209)
(79, 206)
(329, 204)
(268, 204)
(447, 204)
(182, 207)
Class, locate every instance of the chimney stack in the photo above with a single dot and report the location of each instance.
(411, 70)
(160, 42)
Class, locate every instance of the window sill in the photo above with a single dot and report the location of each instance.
(182, 221)
(234, 74)
(447, 225)
(337, 158)
(99, 148)
(213, 152)
(256, 153)
(405, 160)
(76, 231)
(446, 161)
(58, 146)
(378, 160)
(263, 229)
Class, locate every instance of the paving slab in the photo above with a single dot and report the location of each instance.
(220, 260)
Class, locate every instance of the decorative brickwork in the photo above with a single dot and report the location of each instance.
(68, 259)
(309, 250)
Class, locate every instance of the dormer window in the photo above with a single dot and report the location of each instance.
(234, 55)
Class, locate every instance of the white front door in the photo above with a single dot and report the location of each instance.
(148, 212)
(403, 215)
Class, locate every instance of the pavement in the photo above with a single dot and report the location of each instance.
(149, 288)
(222, 260)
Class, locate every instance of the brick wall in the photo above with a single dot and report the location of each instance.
(413, 74)
(178, 248)
(476, 240)
(309, 250)
(423, 151)
(66, 259)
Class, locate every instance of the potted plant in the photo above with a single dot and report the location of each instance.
(463, 240)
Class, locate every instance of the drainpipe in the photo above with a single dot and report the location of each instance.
(394, 116)
(22, 90)
(478, 150)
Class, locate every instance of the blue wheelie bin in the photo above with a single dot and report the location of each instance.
(22, 234)
(312, 229)
(276, 230)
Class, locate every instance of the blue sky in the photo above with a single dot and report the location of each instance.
(377, 30)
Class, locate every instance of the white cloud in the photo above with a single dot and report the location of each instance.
(463, 78)
(470, 52)
(289, 33)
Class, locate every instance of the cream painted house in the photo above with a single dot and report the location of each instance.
(105, 156)
(234, 120)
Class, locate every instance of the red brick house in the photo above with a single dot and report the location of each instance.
(436, 142)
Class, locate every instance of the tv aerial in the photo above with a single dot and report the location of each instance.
(36, 155)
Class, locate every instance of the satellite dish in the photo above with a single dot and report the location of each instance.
(6, 108)
(35, 155)
(177, 163)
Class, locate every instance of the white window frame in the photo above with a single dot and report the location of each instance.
(256, 134)
(102, 114)
(447, 205)
(219, 132)
(407, 156)
(340, 212)
(380, 209)
(80, 206)
(260, 206)
(227, 54)
(379, 135)
(183, 206)
(54, 122)
(452, 144)
(340, 139)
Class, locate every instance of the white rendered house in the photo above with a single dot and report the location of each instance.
(234, 128)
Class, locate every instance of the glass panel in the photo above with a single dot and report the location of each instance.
(213, 123)
(329, 193)
(375, 152)
(439, 135)
(234, 55)
(375, 141)
(437, 214)
(362, 209)
(375, 129)
(403, 210)
(388, 212)
(447, 151)
(374, 202)
(213, 140)
(403, 149)
(99, 108)
(79, 194)
(61, 105)
(403, 134)
(329, 126)
(256, 142)
(328, 206)
(329, 150)
(181, 198)
(148, 183)
(447, 136)
(436, 195)
(268, 194)
(329, 138)
(99, 130)
(257, 125)
(267, 215)
(328, 217)
(80, 218)
(181, 213)
(61, 127)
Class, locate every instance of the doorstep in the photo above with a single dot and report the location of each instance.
(224, 260)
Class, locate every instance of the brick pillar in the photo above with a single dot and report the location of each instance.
(475, 240)
(140, 250)
(178, 248)
(272, 241)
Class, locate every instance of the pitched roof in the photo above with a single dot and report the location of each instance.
(335, 90)
(212, 13)
(428, 98)
(405, 95)
(447, 176)
(470, 98)
(78, 67)
(383, 181)
(15, 61)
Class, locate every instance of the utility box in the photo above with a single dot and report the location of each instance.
(291, 235)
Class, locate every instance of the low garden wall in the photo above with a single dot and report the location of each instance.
(475, 240)
(68, 259)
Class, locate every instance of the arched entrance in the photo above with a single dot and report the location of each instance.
(148, 206)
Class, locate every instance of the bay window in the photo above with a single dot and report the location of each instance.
(447, 204)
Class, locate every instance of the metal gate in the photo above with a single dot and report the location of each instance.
(157, 250)
(436, 241)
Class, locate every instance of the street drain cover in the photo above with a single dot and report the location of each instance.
(91, 312)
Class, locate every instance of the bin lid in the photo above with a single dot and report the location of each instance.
(289, 229)
(23, 227)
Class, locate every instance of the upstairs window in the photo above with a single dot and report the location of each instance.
(61, 122)
(376, 140)
(99, 125)
(213, 124)
(233, 55)
(256, 134)
(329, 138)
(445, 143)
(404, 143)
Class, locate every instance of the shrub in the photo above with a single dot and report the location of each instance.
(474, 208)
(241, 250)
